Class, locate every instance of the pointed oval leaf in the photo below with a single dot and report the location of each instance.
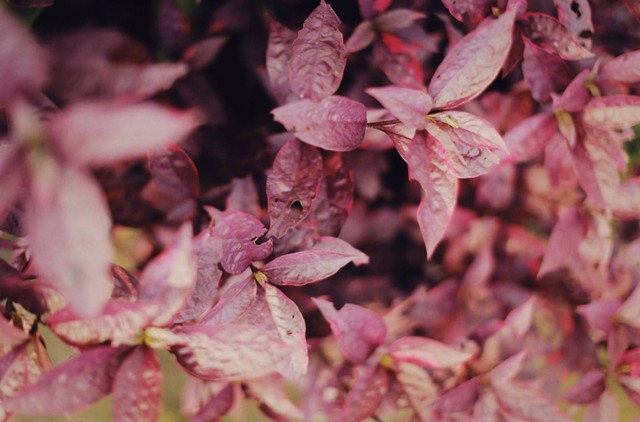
(527, 404)
(576, 95)
(174, 173)
(419, 387)
(292, 186)
(233, 304)
(576, 16)
(550, 34)
(588, 389)
(335, 123)
(366, 394)
(409, 105)
(102, 133)
(613, 112)
(427, 352)
(459, 398)
(358, 330)
(137, 387)
(362, 37)
(279, 51)
(335, 195)
(473, 62)
(69, 387)
(545, 72)
(528, 138)
(396, 19)
(318, 60)
(216, 407)
(622, 69)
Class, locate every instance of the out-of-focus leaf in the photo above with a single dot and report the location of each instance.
(396, 19)
(427, 352)
(358, 330)
(10, 174)
(10, 335)
(234, 302)
(550, 34)
(174, 173)
(544, 72)
(69, 387)
(270, 392)
(473, 10)
(335, 195)
(630, 309)
(409, 105)
(527, 404)
(576, 16)
(244, 196)
(98, 133)
(366, 394)
(300, 268)
(507, 369)
(588, 389)
(203, 52)
(69, 233)
(511, 332)
(239, 232)
(335, 123)
(597, 172)
(22, 366)
(31, 3)
(318, 60)
(398, 60)
(528, 138)
(361, 37)
(576, 95)
(371, 8)
(137, 387)
(613, 112)
(292, 186)
(459, 398)
(600, 314)
(23, 64)
(216, 407)
(627, 205)
(473, 62)
(419, 388)
(622, 69)
(279, 50)
(471, 143)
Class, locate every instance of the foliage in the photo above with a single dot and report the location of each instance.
(259, 181)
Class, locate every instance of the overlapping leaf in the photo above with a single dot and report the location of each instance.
(335, 195)
(366, 394)
(551, 35)
(622, 69)
(427, 352)
(279, 51)
(576, 16)
(544, 72)
(410, 106)
(174, 173)
(527, 140)
(613, 112)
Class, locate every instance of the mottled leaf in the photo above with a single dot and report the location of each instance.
(597, 172)
(459, 398)
(174, 173)
(366, 394)
(104, 133)
(279, 50)
(358, 330)
(427, 352)
(528, 138)
(292, 186)
(419, 388)
(576, 95)
(613, 112)
(335, 123)
(550, 34)
(335, 195)
(409, 105)
(544, 72)
(137, 387)
(576, 16)
(472, 10)
(473, 62)
(10, 335)
(622, 69)
(317, 60)
(216, 407)
(233, 304)
(398, 60)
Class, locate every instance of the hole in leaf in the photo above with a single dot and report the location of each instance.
(295, 209)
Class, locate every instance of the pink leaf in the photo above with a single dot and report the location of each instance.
(10, 335)
(335, 195)
(22, 366)
(292, 186)
(511, 332)
(396, 19)
(233, 304)
(335, 244)
(527, 404)
(507, 369)
(366, 394)
(278, 55)
(358, 330)
(409, 105)
(22, 62)
(216, 407)
(174, 173)
(576, 95)
(528, 138)
(419, 388)
(239, 232)
(69, 233)
(427, 352)
(335, 123)
(627, 205)
(99, 134)
(371, 8)
(622, 69)
(551, 35)
(544, 72)
(600, 314)
(471, 143)
(300, 268)
(459, 398)
(10, 174)
(362, 37)
(440, 187)
(576, 16)
(398, 60)
(613, 112)
(137, 387)
(69, 387)
(473, 62)
(588, 389)
(317, 62)
(270, 393)
(629, 312)
(473, 10)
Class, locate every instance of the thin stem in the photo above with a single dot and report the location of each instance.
(383, 123)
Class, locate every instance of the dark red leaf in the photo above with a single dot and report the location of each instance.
(174, 173)
(371, 8)
(137, 387)
(551, 35)
(332, 205)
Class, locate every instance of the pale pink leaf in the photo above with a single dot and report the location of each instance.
(23, 64)
(528, 138)
(292, 186)
(69, 234)
(459, 398)
(240, 233)
(22, 366)
(627, 205)
(629, 312)
(613, 112)
(366, 394)
(10, 174)
(472, 10)
(473, 62)
(318, 60)
(137, 387)
(497, 188)
(362, 37)
(244, 196)
(69, 387)
(600, 314)
(104, 133)
(419, 388)
(335, 123)
(10, 335)
(233, 304)
(622, 69)
(550, 34)
(576, 95)
(300, 268)
(409, 105)
(358, 330)
(486, 408)
(335, 195)
(588, 389)
(473, 146)
(507, 369)
(597, 172)
(544, 72)
(510, 333)
(440, 187)
(527, 404)
(427, 352)
(216, 407)
(401, 136)
(270, 393)
(396, 19)
(335, 244)
(278, 55)
(174, 173)
(576, 16)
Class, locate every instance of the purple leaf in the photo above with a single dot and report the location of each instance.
(576, 16)
(69, 233)
(366, 394)
(335, 123)
(271, 394)
(428, 166)
(335, 195)
(99, 134)
(369, 9)
(588, 389)
(528, 138)
(471, 143)
(318, 61)
(233, 304)
(10, 335)
(239, 233)
(427, 352)
(72, 386)
(473, 10)
(396, 19)
(613, 112)
(216, 407)
(22, 62)
(409, 105)
(551, 35)
(473, 62)
(544, 72)
(300, 268)
(622, 69)
(362, 37)
(292, 186)
(358, 330)
(137, 387)
(278, 55)
(174, 173)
